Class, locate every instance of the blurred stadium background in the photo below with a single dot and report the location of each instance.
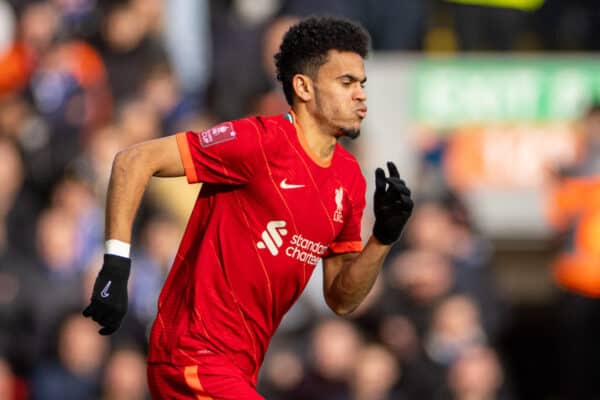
(489, 107)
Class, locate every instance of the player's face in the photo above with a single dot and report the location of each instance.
(339, 93)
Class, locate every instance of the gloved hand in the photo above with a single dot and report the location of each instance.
(392, 205)
(109, 297)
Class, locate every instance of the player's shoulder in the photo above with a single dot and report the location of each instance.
(270, 130)
(346, 159)
(264, 124)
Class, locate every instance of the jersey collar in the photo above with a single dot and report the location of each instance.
(291, 118)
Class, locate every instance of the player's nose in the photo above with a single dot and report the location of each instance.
(360, 94)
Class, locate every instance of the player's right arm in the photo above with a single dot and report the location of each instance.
(131, 170)
(224, 154)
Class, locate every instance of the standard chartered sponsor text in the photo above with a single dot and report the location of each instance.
(305, 250)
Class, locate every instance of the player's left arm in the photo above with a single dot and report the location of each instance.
(348, 278)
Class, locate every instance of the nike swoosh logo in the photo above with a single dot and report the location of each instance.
(284, 185)
(104, 293)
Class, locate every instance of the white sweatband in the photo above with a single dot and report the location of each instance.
(117, 248)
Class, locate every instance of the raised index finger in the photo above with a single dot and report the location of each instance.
(393, 170)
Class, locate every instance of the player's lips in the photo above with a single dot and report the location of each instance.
(362, 111)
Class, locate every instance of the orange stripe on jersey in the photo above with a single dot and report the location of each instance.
(345, 247)
(186, 157)
(190, 374)
(305, 145)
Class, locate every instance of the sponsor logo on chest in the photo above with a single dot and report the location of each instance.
(296, 247)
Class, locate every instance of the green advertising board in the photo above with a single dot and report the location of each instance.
(458, 91)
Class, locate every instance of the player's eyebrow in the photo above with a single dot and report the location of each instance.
(352, 78)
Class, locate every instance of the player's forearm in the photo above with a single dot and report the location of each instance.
(128, 180)
(356, 278)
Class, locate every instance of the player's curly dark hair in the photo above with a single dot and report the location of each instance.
(305, 46)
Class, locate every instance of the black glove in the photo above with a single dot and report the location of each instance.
(392, 205)
(109, 298)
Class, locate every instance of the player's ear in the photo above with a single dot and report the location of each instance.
(303, 87)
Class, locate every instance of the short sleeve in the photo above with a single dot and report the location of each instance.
(225, 153)
(349, 239)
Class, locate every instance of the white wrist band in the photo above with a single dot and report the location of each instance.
(117, 248)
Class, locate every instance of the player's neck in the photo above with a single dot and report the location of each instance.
(320, 141)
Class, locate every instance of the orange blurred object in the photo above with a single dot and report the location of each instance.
(16, 66)
(578, 269)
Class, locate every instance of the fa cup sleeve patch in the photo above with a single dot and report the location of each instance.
(217, 134)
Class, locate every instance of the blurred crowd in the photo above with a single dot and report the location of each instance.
(428, 329)
(81, 79)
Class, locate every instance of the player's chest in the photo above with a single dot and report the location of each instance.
(310, 202)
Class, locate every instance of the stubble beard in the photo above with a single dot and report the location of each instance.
(350, 132)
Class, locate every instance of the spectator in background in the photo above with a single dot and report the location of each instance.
(162, 91)
(236, 42)
(151, 12)
(17, 205)
(574, 211)
(476, 375)
(17, 273)
(80, 18)
(154, 257)
(73, 195)
(282, 374)
(334, 346)
(399, 334)
(19, 338)
(418, 378)
(57, 243)
(442, 226)
(370, 312)
(59, 278)
(271, 100)
(418, 281)
(21, 122)
(125, 376)
(375, 374)
(415, 291)
(129, 49)
(137, 121)
(455, 326)
(37, 29)
(433, 309)
(74, 372)
(66, 82)
(97, 155)
(189, 46)
(69, 86)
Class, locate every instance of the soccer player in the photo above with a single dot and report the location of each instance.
(279, 194)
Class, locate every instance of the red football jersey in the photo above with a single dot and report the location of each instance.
(266, 213)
